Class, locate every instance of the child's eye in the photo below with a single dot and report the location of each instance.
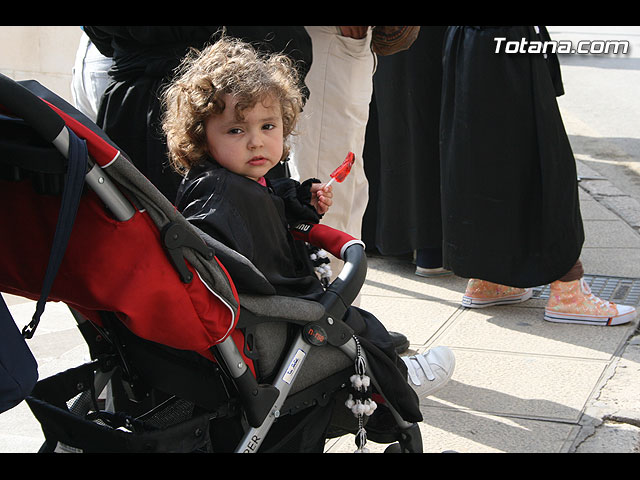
(268, 126)
(235, 131)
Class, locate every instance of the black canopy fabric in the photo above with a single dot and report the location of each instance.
(510, 205)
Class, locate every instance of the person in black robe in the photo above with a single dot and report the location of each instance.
(402, 154)
(145, 58)
(510, 208)
(509, 182)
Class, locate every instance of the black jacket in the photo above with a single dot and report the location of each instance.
(254, 221)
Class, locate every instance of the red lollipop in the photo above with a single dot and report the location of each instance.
(340, 173)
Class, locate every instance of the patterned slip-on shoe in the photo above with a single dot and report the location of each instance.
(573, 302)
(481, 294)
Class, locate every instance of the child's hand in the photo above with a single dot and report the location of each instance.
(321, 197)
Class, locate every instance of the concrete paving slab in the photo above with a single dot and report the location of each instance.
(612, 437)
(609, 234)
(617, 262)
(522, 385)
(522, 330)
(20, 432)
(395, 277)
(592, 210)
(474, 432)
(419, 320)
(621, 398)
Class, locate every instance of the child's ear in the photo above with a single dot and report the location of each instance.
(207, 152)
(205, 146)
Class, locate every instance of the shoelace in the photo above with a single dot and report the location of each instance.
(597, 300)
(412, 369)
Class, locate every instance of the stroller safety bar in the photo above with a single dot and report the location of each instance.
(345, 288)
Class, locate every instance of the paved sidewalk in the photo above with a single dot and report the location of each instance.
(520, 385)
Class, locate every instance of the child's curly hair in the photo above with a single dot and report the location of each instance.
(228, 66)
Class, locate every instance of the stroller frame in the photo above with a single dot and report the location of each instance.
(262, 403)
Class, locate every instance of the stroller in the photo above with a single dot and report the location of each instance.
(188, 363)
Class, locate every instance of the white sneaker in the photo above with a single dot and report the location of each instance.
(430, 371)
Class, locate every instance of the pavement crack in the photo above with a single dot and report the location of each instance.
(612, 417)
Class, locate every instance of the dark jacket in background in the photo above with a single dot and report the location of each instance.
(144, 59)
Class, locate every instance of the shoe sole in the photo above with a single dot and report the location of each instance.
(446, 378)
(434, 275)
(470, 302)
(588, 320)
(422, 273)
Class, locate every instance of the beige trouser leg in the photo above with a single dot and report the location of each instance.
(334, 122)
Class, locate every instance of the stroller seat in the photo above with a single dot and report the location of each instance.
(190, 364)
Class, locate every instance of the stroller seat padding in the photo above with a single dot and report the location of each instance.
(295, 309)
(321, 363)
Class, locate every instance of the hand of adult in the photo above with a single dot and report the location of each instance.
(354, 32)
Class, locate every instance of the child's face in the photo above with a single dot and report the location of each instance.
(250, 146)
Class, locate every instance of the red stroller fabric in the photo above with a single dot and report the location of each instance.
(109, 265)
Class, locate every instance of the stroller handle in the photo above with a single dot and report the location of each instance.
(353, 274)
(341, 293)
(19, 101)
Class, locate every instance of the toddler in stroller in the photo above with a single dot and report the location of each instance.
(227, 117)
(181, 383)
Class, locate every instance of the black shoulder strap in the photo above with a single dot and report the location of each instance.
(73, 185)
